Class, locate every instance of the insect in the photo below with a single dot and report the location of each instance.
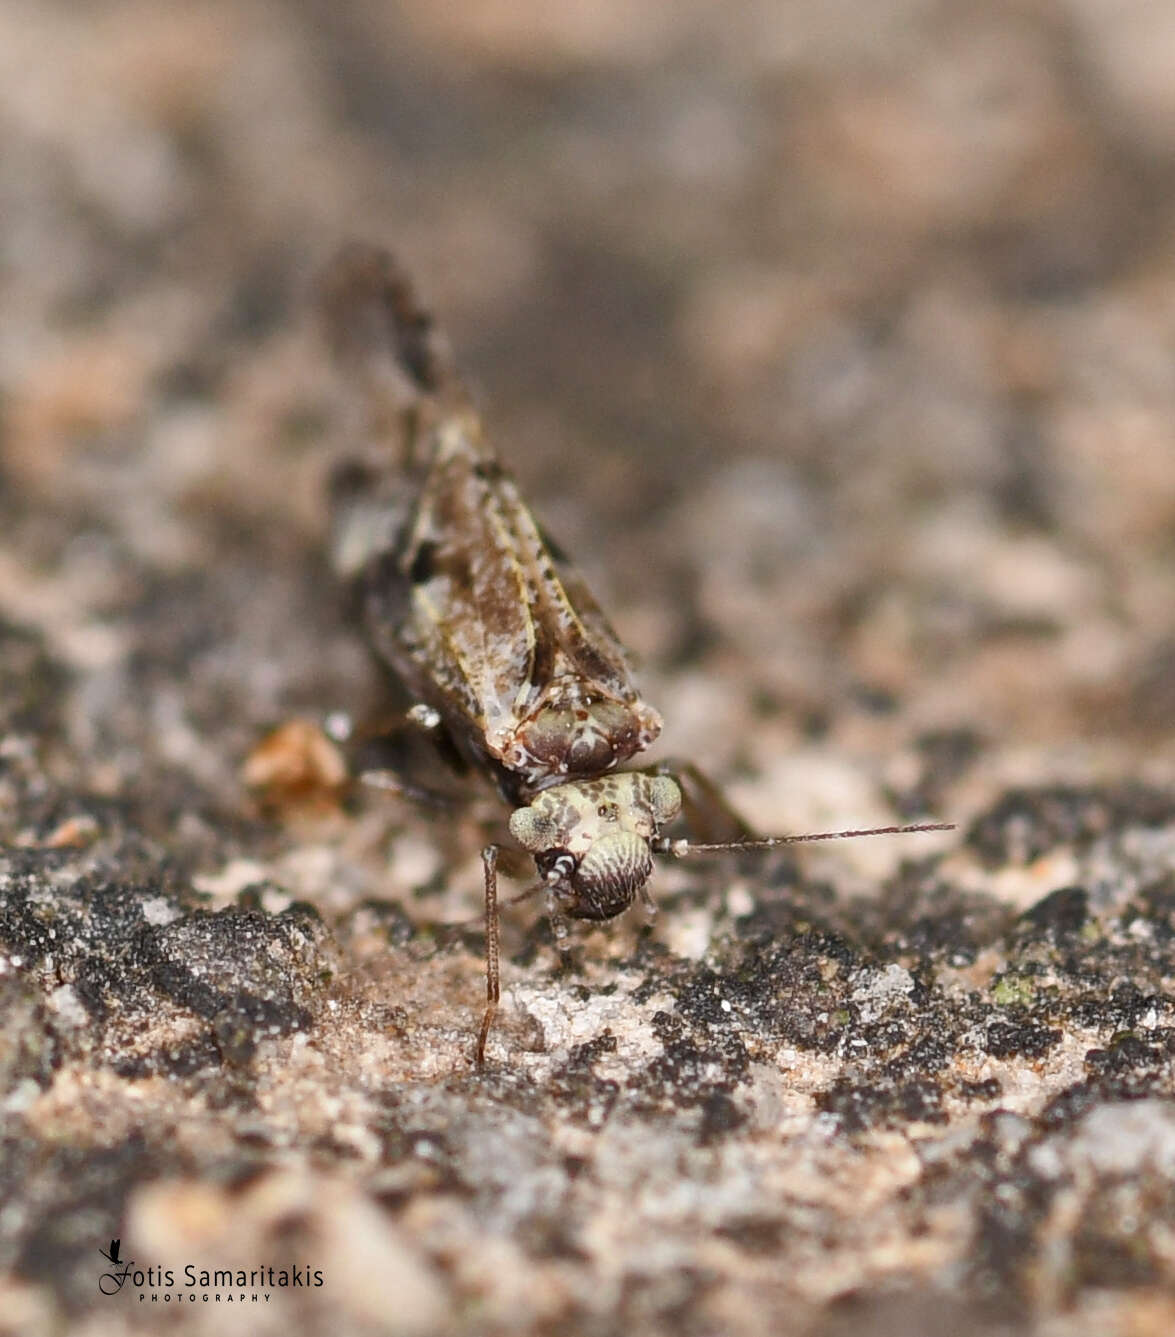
(512, 663)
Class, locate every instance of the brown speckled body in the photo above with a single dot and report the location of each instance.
(493, 631)
(475, 613)
(462, 594)
(483, 618)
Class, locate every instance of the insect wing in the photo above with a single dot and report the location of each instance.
(462, 595)
(474, 613)
(448, 608)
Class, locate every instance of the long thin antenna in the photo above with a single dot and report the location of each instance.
(681, 849)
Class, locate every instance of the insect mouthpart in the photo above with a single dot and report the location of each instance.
(607, 878)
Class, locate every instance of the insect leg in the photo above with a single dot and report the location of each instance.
(489, 859)
(560, 926)
(408, 758)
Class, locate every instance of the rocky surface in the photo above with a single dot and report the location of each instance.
(841, 355)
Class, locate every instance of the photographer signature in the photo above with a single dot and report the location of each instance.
(110, 1283)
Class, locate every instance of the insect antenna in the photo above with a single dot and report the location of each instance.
(681, 849)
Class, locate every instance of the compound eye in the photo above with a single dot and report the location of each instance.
(532, 828)
(664, 798)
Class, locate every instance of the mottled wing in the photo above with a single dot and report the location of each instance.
(481, 622)
(462, 596)
(571, 618)
(449, 610)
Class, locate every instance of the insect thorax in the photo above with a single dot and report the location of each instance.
(591, 840)
(575, 733)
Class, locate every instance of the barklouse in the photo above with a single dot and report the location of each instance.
(514, 667)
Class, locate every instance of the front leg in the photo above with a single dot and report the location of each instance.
(489, 859)
(560, 924)
(560, 929)
(413, 757)
(648, 904)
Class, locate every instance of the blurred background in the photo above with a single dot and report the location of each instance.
(834, 341)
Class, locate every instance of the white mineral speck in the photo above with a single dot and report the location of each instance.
(157, 911)
(236, 875)
(876, 990)
(68, 1005)
(22, 1096)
